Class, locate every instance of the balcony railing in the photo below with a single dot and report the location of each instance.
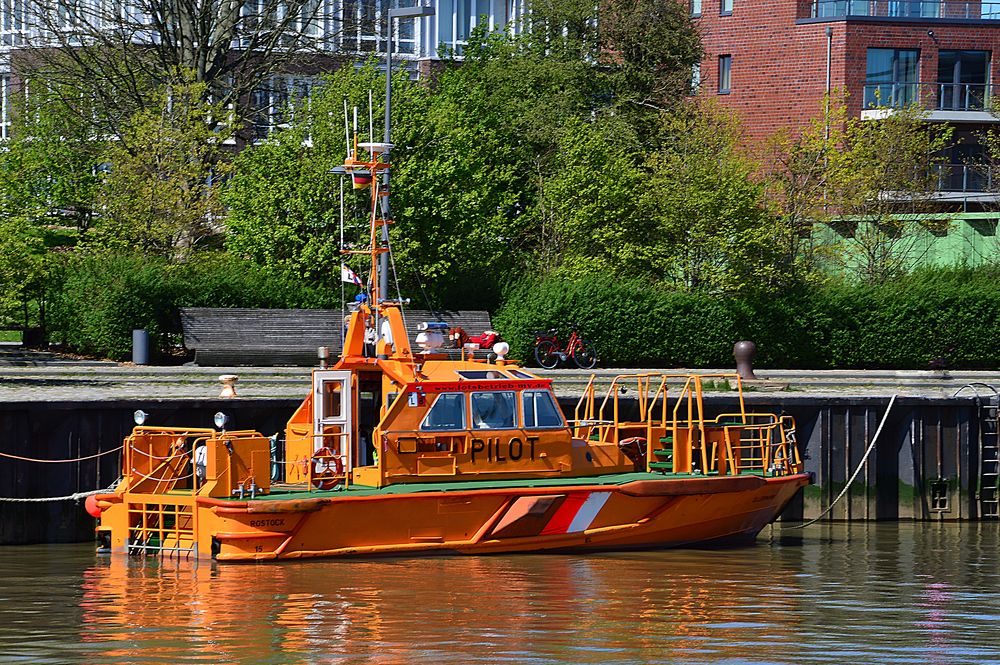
(964, 178)
(929, 96)
(919, 9)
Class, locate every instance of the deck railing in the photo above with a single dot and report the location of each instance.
(671, 419)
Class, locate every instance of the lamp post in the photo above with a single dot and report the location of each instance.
(396, 13)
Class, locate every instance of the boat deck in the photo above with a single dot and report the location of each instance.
(285, 493)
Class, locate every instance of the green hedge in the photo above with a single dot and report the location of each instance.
(935, 318)
(94, 301)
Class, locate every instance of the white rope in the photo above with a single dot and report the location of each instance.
(76, 496)
(861, 464)
(395, 279)
(182, 453)
(60, 461)
(163, 480)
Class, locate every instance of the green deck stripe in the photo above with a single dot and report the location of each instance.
(454, 486)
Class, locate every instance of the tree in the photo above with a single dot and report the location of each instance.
(164, 198)
(23, 267)
(714, 230)
(592, 207)
(118, 53)
(652, 46)
(883, 179)
(49, 163)
(283, 202)
(799, 172)
(857, 194)
(487, 164)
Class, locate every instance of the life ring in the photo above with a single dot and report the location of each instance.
(327, 469)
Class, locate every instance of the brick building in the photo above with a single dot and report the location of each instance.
(773, 60)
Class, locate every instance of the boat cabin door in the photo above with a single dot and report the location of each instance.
(332, 411)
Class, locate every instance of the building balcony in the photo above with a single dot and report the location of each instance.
(920, 10)
(942, 102)
(965, 182)
(964, 178)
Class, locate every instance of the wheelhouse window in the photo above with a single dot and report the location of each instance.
(446, 415)
(494, 410)
(725, 73)
(332, 393)
(891, 80)
(540, 410)
(963, 80)
(482, 375)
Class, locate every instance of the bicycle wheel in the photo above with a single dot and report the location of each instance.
(545, 354)
(585, 355)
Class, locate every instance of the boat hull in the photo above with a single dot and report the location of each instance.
(640, 514)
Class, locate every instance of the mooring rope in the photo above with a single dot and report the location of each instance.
(861, 464)
(60, 461)
(76, 496)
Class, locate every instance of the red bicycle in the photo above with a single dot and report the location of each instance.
(548, 354)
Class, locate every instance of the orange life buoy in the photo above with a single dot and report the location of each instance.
(327, 469)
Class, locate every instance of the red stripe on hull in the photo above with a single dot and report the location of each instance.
(564, 516)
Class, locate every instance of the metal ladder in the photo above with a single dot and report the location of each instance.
(988, 481)
(165, 530)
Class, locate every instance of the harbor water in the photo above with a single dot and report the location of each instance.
(830, 593)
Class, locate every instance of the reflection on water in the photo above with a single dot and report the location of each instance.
(923, 593)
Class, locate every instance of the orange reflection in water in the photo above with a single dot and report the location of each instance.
(578, 609)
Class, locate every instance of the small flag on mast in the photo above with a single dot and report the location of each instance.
(347, 275)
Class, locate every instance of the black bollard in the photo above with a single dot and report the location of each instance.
(744, 352)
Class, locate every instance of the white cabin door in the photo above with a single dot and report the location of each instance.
(332, 414)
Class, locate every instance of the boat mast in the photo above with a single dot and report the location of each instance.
(383, 264)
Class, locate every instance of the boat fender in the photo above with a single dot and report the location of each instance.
(634, 448)
(90, 504)
(201, 462)
(327, 469)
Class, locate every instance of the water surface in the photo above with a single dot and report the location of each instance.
(864, 593)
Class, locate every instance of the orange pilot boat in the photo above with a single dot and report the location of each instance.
(403, 449)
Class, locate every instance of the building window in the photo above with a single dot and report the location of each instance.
(725, 7)
(695, 7)
(695, 78)
(963, 80)
(4, 106)
(273, 104)
(892, 78)
(725, 71)
(13, 21)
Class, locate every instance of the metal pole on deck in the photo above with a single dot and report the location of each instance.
(398, 12)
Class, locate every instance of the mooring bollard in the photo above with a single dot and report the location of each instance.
(744, 353)
(228, 382)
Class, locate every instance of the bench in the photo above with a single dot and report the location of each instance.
(275, 337)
